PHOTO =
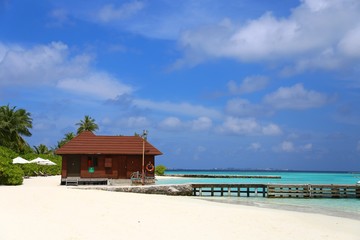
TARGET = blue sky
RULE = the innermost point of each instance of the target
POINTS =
(218, 84)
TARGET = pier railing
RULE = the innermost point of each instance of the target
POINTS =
(238, 190)
(277, 190)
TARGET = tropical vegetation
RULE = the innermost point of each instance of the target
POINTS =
(87, 124)
(42, 149)
(13, 174)
(67, 138)
(10, 174)
(160, 170)
(14, 124)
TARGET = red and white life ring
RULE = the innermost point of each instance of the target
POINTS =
(150, 167)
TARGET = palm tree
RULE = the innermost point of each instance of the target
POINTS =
(88, 124)
(13, 125)
(68, 136)
(41, 149)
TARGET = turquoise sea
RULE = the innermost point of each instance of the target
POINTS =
(349, 208)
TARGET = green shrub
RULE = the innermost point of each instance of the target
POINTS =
(160, 170)
(7, 153)
(10, 174)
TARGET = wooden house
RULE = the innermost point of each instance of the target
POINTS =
(92, 159)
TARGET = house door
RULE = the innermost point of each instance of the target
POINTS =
(122, 168)
(73, 166)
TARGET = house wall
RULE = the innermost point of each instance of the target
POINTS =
(64, 167)
(134, 164)
(110, 166)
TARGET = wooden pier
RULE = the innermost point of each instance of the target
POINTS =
(238, 190)
(277, 190)
(314, 191)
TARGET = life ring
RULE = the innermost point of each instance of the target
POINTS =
(150, 167)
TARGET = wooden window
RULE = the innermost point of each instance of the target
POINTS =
(92, 161)
(108, 162)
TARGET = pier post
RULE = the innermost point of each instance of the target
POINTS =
(357, 191)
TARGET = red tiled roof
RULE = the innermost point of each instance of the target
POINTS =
(88, 143)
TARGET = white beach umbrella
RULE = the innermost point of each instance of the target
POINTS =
(19, 160)
(42, 161)
(46, 162)
(37, 160)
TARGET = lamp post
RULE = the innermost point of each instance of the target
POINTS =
(143, 136)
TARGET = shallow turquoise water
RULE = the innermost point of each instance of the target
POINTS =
(337, 207)
(286, 177)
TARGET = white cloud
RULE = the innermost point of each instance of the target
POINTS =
(111, 13)
(349, 44)
(328, 59)
(202, 123)
(106, 121)
(292, 39)
(306, 147)
(54, 65)
(248, 85)
(247, 126)
(171, 123)
(295, 97)
(153, 19)
(41, 64)
(316, 5)
(179, 108)
(175, 123)
(239, 126)
(288, 146)
(95, 86)
(138, 122)
(59, 17)
(243, 108)
(266, 37)
(255, 146)
(271, 130)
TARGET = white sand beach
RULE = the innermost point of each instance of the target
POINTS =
(41, 209)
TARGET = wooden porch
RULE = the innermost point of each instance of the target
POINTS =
(75, 181)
